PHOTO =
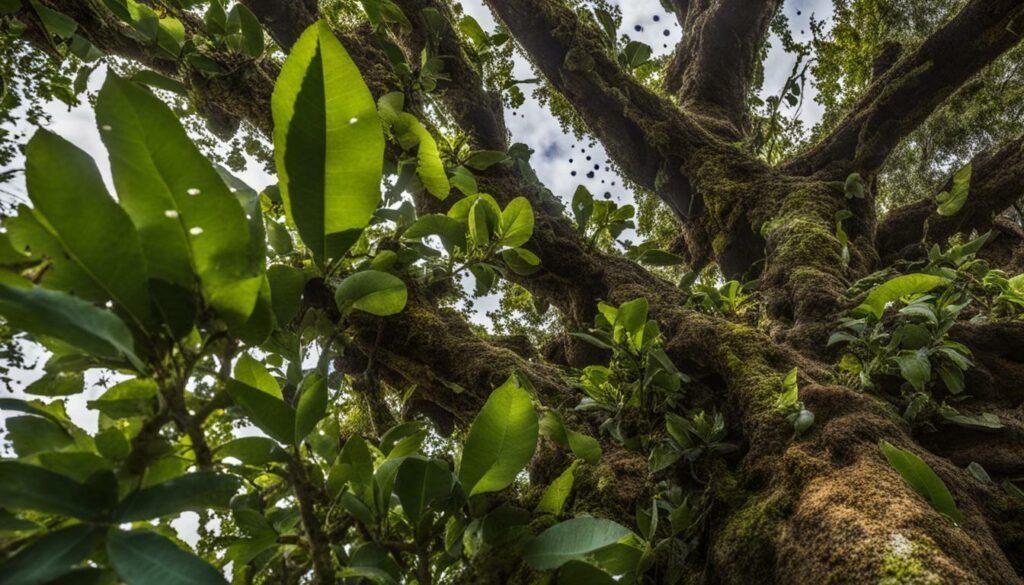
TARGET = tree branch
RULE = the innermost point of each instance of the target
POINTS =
(713, 64)
(901, 99)
(284, 20)
(997, 181)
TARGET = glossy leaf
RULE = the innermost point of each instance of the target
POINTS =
(372, 291)
(419, 483)
(897, 288)
(188, 220)
(255, 451)
(571, 540)
(952, 201)
(553, 499)
(266, 411)
(516, 225)
(501, 440)
(69, 319)
(193, 492)
(28, 487)
(312, 405)
(329, 159)
(922, 480)
(50, 556)
(142, 557)
(96, 237)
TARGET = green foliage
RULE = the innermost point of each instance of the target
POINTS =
(920, 477)
(329, 159)
(788, 403)
(501, 441)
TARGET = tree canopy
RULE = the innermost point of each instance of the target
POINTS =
(794, 356)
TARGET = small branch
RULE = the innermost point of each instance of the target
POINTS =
(320, 546)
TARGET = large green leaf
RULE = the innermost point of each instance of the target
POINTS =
(329, 159)
(188, 219)
(923, 480)
(69, 319)
(419, 483)
(516, 226)
(312, 406)
(27, 487)
(501, 441)
(571, 540)
(29, 435)
(897, 288)
(100, 257)
(193, 492)
(142, 557)
(372, 291)
(950, 202)
(266, 411)
(51, 556)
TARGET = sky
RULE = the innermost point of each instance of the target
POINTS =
(643, 20)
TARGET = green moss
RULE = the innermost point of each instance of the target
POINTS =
(900, 565)
(749, 534)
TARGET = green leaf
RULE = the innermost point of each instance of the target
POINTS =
(501, 440)
(193, 492)
(636, 54)
(950, 202)
(312, 406)
(329, 159)
(131, 398)
(516, 225)
(251, 372)
(103, 255)
(429, 167)
(897, 288)
(553, 499)
(188, 220)
(450, 231)
(31, 434)
(56, 23)
(571, 540)
(521, 260)
(255, 451)
(354, 467)
(57, 384)
(27, 487)
(854, 186)
(69, 319)
(372, 291)
(481, 160)
(580, 573)
(286, 286)
(922, 480)
(266, 411)
(915, 368)
(250, 41)
(170, 36)
(419, 483)
(51, 556)
(583, 446)
(142, 557)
